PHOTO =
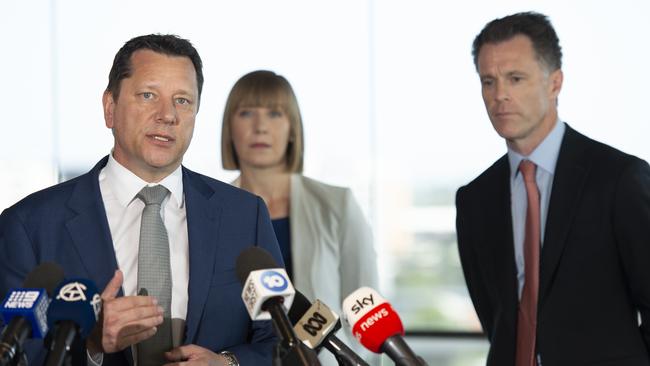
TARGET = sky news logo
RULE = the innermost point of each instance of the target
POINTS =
(22, 299)
(374, 318)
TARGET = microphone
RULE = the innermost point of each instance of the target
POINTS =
(72, 315)
(316, 324)
(378, 327)
(268, 294)
(24, 310)
(263, 280)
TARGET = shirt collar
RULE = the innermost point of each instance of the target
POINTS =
(545, 154)
(130, 184)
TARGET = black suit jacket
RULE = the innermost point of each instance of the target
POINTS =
(595, 260)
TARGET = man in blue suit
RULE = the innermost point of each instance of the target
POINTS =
(90, 225)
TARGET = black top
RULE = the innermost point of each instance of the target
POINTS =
(282, 230)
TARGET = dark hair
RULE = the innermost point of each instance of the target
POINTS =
(167, 44)
(537, 27)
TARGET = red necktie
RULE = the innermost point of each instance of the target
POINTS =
(527, 315)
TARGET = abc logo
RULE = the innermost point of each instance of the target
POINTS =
(274, 281)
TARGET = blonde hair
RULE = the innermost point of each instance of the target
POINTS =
(265, 89)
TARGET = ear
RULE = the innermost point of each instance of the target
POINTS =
(555, 83)
(109, 107)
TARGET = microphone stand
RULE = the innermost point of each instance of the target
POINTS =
(345, 358)
(290, 351)
(398, 351)
(14, 356)
(59, 348)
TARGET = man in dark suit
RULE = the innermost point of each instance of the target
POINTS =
(554, 237)
(90, 225)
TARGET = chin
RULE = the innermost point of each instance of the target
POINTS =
(506, 128)
(161, 163)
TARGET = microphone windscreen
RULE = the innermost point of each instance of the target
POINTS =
(299, 307)
(32, 300)
(372, 319)
(315, 324)
(253, 259)
(46, 275)
(77, 300)
(262, 279)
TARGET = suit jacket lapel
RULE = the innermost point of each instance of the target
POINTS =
(91, 236)
(203, 212)
(88, 228)
(499, 231)
(302, 232)
(570, 176)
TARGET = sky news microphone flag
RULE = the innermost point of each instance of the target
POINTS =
(377, 326)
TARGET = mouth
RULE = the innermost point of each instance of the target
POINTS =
(161, 138)
(260, 145)
(504, 114)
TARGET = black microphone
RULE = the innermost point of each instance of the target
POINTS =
(24, 311)
(72, 315)
(316, 324)
(268, 294)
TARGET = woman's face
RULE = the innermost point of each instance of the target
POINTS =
(261, 137)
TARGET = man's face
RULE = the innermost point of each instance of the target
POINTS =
(520, 94)
(153, 118)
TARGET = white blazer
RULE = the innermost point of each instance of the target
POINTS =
(331, 242)
(332, 248)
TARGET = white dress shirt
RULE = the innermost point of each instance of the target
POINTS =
(545, 157)
(119, 187)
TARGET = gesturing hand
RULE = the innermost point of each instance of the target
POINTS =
(124, 320)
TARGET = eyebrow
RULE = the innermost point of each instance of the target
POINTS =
(156, 85)
(508, 74)
(516, 72)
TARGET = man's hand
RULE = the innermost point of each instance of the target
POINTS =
(193, 355)
(123, 321)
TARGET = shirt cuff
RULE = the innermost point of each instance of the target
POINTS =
(95, 360)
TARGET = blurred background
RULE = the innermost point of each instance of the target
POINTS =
(390, 100)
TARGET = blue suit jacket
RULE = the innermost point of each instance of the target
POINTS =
(67, 224)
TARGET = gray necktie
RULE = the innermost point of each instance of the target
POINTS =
(154, 273)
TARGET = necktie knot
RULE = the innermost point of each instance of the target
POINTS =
(528, 169)
(152, 195)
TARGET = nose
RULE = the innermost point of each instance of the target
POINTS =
(502, 93)
(260, 123)
(167, 112)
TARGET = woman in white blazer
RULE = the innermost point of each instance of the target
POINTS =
(324, 237)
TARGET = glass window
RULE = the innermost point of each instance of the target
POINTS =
(388, 91)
